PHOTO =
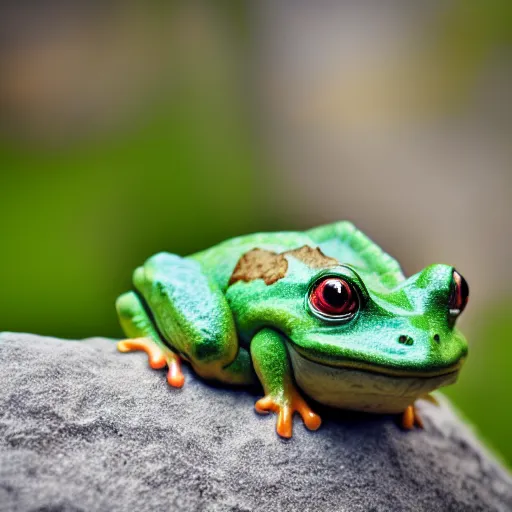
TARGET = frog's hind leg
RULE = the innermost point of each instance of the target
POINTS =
(143, 336)
(191, 311)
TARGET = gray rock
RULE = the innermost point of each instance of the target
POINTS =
(83, 427)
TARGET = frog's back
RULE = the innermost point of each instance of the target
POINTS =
(220, 260)
(343, 241)
(340, 240)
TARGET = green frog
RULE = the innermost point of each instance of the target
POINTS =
(324, 313)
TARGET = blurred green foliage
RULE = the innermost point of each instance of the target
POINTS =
(76, 221)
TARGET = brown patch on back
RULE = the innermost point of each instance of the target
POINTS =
(313, 258)
(271, 266)
(259, 264)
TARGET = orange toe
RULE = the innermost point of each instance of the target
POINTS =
(410, 418)
(175, 377)
(285, 407)
(155, 354)
(310, 418)
(158, 358)
(417, 419)
(265, 405)
(284, 425)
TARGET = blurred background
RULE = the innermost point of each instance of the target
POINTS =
(128, 128)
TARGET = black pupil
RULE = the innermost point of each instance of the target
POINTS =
(460, 291)
(335, 294)
(464, 290)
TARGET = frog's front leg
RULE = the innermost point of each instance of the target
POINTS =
(410, 418)
(143, 336)
(272, 365)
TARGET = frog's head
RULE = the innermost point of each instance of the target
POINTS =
(408, 330)
(337, 315)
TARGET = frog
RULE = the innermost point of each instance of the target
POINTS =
(320, 316)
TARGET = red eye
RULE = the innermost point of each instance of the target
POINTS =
(334, 297)
(459, 295)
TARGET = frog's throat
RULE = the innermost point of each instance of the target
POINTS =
(361, 390)
(378, 369)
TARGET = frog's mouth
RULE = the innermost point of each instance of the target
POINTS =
(379, 369)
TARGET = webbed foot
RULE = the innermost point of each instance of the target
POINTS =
(285, 406)
(158, 357)
(410, 418)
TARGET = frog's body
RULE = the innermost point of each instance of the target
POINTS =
(326, 310)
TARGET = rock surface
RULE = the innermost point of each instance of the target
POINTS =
(83, 427)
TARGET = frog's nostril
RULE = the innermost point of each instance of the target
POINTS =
(405, 340)
(437, 338)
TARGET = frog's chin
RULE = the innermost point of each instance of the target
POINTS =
(364, 387)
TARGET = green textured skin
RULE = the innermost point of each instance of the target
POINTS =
(214, 325)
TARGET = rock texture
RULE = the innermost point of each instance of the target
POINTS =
(83, 428)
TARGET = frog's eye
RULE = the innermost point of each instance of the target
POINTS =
(459, 294)
(333, 298)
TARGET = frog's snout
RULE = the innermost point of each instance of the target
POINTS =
(404, 339)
